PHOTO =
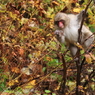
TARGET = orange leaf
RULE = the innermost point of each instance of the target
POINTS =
(15, 69)
(14, 53)
(88, 58)
(73, 1)
(5, 93)
(56, 3)
(21, 51)
(78, 45)
(33, 82)
(49, 58)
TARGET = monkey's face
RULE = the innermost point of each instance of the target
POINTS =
(61, 20)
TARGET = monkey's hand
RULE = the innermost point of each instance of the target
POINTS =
(60, 36)
(59, 33)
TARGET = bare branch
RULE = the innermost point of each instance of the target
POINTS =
(79, 31)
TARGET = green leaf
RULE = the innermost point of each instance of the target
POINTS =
(47, 91)
(44, 68)
(53, 94)
(45, 94)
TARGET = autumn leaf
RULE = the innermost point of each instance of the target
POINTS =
(56, 3)
(73, 1)
(5, 93)
(15, 70)
(23, 20)
(33, 82)
(29, 85)
(77, 10)
(21, 51)
(80, 88)
(49, 58)
(88, 58)
(78, 45)
(12, 15)
(14, 53)
(12, 82)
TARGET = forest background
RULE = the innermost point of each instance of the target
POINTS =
(32, 61)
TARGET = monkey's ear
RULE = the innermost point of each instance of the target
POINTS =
(80, 15)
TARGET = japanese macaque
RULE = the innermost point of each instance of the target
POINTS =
(67, 26)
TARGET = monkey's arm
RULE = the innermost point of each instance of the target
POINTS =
(87, 37)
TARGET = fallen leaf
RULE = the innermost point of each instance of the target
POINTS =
(77, 10)
(56, 3)
(15, 70)
(78, 45)
(5, 93)
(88, 58)
(30, 85)
(12, 82)
(21, 51)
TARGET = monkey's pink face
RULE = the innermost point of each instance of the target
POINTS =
(60, 23)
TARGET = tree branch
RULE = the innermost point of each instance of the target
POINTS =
(79, 66)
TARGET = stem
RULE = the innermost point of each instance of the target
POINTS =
(63, 83)
(78, 82)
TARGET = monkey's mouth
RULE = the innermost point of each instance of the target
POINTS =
(60, 24)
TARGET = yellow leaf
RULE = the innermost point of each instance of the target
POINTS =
(77, 10)
(12, 82)
(88, 58)
(56, 3)
(78, 45)
(30, 85)
(16, 81)
(49, 58)
(23, 20)
(89, 11)
(14, 16)
(63, 0)
(33, 82)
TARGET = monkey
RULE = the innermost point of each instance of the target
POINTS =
(66, 31)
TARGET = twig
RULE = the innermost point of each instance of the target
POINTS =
(91, 75)
(63, 83)
(78, 83)
(79, 31)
